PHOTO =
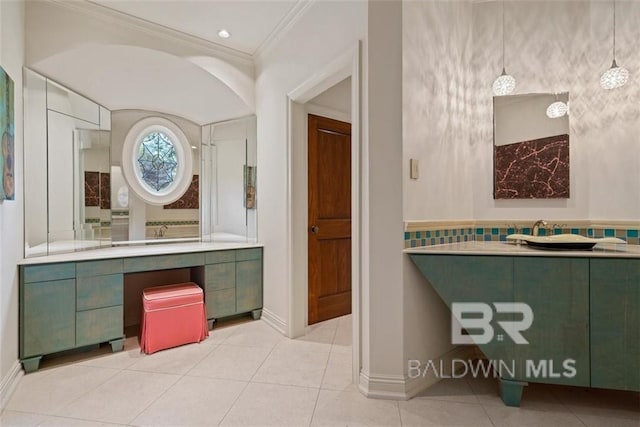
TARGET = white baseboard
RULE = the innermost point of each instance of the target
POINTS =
(9, 384)
(275, 321)
(401, 387)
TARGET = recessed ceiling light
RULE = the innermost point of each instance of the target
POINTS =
(224, 34)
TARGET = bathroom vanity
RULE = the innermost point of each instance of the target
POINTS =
(586, 308)
(73, 300)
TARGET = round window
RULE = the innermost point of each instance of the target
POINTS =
(156, 161)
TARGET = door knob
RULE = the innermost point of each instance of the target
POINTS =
(314, 229)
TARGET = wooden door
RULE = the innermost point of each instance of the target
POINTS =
(329, 218)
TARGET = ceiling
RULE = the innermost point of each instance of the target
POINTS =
(250, 22)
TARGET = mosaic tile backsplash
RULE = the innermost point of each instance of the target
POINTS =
(413, 239)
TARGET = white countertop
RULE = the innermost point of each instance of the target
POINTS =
(601, 250)
(133, 251)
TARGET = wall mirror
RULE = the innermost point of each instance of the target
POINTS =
(531, 146)
(229, 181)
(66, 162)
(82, 200)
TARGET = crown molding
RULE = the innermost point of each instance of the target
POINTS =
(116, 17)
(283, 27)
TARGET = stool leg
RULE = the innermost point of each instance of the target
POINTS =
(256, 314)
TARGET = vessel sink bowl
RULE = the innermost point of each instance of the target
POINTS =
(563, 241)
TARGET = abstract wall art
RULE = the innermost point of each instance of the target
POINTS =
(7, 130)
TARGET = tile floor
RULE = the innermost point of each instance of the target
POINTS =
(248, 374)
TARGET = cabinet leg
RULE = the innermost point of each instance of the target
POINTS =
(117, 345)
(511, 391)
(210, 323)
(31, 364)
(256, 314)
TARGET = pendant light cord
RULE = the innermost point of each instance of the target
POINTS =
(503, 35)
(614, 30)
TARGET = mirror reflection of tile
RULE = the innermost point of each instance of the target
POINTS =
(190, 199)
(536, 169)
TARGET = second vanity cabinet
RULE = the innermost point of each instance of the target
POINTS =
(586, 309)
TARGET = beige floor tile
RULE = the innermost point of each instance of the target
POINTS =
(192, 401)
(584, 401)
(351, 408)
(339, 372)
(254, 334)
(297, 368)
(430, 412)
(20, 419)
(119, 360)
(178, 360)
(72, 422)
(128, 393)
(608, 421)
(504, 416)
(450, 389)
(272, 405)
(231, 362)
(322, 332)
(300, 345)
(344, 336)
(47, 391)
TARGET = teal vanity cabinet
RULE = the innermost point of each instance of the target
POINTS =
(615, 323)
(233, 283)
(586, 313)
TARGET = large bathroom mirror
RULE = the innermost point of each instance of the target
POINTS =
(78, 195)
(531, 146)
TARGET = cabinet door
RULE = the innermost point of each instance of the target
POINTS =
(220, 276)
(49, 317)
(101, 325)
(615, 323)
(248, 285)
(220, 303)
(557, 290)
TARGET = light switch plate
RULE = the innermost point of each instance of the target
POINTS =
(413, 167)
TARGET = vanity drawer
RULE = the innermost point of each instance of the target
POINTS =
(220, 303)
(220, 276)
(96, 326)
(162, 262)
(46, 272)
(248, 254)
(98, 291)
(97, 268)
(218, 257)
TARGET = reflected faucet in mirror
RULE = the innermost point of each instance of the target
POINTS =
(161, 231)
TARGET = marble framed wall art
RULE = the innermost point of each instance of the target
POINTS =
(7, 130)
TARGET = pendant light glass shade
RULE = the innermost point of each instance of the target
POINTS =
(505, 83)
(615, 76)
(557, 109)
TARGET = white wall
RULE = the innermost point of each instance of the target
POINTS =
(326, 30)
(556, 47)
(11, 212)
(451, 60)
(437, 103)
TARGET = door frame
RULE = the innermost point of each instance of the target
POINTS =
(346, 65)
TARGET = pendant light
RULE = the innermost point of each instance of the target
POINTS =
(557, 109)
(615, 76)
(505, 83)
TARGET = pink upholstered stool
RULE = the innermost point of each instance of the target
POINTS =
(173, 315)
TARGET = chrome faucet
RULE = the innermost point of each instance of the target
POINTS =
(160, 232)
(536, 226)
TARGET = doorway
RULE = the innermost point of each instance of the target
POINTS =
(329, 207)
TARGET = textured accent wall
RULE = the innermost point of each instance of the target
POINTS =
(190, 199)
